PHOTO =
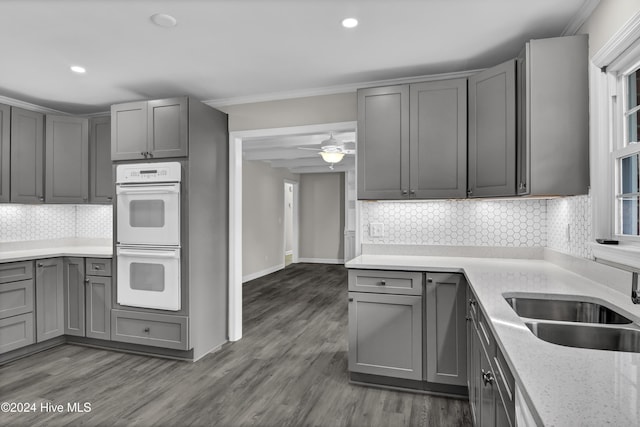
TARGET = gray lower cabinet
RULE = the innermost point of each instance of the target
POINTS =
(150, 129)
(446, 329)
(87, 302)
(492, 132)
(98, 307)
(27, 155)
(67, 159)
(5, 153)
(16, 305)
(100, 171)
(16, 332)
(74, 296)
(159, 330)
(49, 299)
(491, 384)
(385, 282)
(385, 335)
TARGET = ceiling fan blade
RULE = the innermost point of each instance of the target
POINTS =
(310, 149)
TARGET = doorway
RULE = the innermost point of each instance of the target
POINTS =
(290, 222)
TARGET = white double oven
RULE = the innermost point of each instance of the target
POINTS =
(148, 235)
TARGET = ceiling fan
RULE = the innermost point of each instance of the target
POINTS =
(332, 150)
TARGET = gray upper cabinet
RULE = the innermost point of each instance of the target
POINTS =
(100, 170)
(412, 141)
(27, 152)
(492, 132)
(446, 335)
(438, 139)
(67, 159)
(5, 153)
(74, 296)
(49, 299)
(168, 127)
(150, 129)
(383, 143)
(129, 131)
(553, 117)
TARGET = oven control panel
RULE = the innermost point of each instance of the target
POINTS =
(136, 173)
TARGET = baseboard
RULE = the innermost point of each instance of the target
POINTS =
(288, 253)
(322, 260)
(261, 273)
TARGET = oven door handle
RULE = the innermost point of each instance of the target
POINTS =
(150, 254)
(149, 189)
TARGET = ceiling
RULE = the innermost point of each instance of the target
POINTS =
(234, 51)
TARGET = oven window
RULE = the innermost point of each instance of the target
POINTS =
(146, 277)
(146, 213)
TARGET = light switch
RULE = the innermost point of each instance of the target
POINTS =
(376, 229)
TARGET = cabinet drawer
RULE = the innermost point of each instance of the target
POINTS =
(16, 332)
(385, 282)
(98, 267)
(158, 330)
(16, 298)
(14, 271)
(506, 384)
(486, 336)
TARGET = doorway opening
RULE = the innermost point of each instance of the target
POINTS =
(290, 222)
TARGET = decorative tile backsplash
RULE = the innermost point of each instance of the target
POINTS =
(507, 223)
(569, 225)
(515, 223)
(43, 222)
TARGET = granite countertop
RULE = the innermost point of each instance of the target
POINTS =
(563, 385)
(79, 247)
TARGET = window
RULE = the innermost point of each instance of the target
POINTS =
(626, 155)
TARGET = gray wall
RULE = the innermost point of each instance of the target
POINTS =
(293, 112)
(322, 216)
(263, 216)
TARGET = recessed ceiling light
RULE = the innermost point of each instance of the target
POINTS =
(164, 20)
(78, 69)
(350, 22)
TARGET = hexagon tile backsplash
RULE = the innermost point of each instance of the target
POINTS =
(43, 222)
(511, 223)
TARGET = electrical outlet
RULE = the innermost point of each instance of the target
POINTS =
(376, 229)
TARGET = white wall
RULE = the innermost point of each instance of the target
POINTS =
(606, 19)
(262, 218)
(322, 217)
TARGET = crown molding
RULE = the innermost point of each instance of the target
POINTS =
(333, 90)
(580, 17)
(619, 42)
(29, 106)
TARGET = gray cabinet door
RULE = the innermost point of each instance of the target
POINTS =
(486, 391)
(385, 335)
(27, 152)
(16, 332)
(129, 131)
(446, 335)
(74, 290)
(167, 127)
(98, 307)
(492, 132)
(5, 153)
(67, 159)
(100, 172)
(49, 299)
(438, 139)
(383, 143)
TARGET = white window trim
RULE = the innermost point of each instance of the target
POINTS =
(619, 54)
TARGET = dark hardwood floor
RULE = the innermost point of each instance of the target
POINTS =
(290, 369)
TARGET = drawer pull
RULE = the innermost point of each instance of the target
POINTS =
(97, 267)
(40, 265)
(146, 329)
(383, 283)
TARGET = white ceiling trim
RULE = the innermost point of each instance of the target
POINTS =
(581, 17)
(618, 43)
(28, 106)
(333, 90)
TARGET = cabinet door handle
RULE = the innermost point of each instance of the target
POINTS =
(143, 154)
(469, 192)
(429, 280)
(150, 154)
(350, 299)
(487, 377)
(383, 283)
(40, 265)
(147, 329)
(41, 198)
(405, 192)
(86, 281)
(412, 192)
(472, 303)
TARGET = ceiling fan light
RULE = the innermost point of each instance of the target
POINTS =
(331, 157)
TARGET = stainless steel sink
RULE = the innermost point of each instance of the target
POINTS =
(597, 337)
(567, 311)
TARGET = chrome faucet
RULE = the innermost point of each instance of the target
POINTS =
(635, 296)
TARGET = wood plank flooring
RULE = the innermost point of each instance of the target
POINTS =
(290, 369)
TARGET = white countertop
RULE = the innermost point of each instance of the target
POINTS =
(79, 247)
(566, 386)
